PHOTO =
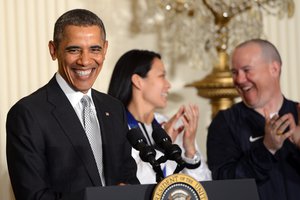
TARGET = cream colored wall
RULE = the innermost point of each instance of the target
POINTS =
(26, 26)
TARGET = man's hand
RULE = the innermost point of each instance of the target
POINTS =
(295, 138)
(275, 133)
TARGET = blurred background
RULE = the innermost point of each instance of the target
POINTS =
(26, 26)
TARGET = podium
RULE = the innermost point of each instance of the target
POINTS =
(236, 189)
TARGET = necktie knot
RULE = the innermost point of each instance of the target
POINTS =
(85, 101)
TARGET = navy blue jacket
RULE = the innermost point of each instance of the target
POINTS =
(235, 150)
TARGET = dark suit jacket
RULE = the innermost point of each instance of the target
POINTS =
(48, 153)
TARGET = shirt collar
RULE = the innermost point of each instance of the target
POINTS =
(73, 96)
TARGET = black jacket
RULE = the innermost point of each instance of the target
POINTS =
(48, 153)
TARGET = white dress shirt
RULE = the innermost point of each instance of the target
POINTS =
(74, 97)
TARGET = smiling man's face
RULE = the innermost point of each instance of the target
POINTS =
(254, 76)
(80, 55)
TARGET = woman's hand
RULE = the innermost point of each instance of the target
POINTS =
(190, 121)
(189, 116)
(170, 126)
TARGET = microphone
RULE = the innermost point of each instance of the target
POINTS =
(147, 153)
(172, 151)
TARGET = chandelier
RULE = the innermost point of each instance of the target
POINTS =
(202, 33)
(194, 31)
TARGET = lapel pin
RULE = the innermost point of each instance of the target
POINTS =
(107, 113)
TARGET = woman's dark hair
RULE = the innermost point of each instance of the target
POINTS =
(132, 62)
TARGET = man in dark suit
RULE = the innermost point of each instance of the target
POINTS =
(49, 154)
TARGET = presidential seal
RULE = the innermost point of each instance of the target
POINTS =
(179, 187)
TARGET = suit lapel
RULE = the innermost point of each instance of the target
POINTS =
(102, 115)
(71, 126)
